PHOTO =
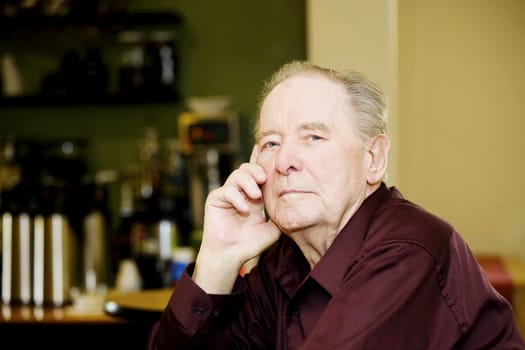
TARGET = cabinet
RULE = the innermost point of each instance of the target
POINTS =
(25, 327)
(89, 58)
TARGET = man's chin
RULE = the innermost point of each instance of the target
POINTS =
(294, 216)
(294, 224)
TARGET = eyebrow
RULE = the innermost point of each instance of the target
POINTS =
(313, 126)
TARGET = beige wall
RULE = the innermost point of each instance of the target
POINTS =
(459, 81)
(359, 34)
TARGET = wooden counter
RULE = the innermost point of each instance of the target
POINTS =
(57, 315)
(113, 309)
(142, 306)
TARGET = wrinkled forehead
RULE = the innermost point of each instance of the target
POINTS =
(303, 96)
(307, 86)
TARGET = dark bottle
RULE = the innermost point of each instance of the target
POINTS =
(95, 75)
(70, 75)
(168, 235)
(160, 65)
(176, 186)
(121, 241)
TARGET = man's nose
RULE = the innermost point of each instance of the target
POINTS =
(288, 159)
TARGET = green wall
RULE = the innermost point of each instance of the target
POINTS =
(226, 48)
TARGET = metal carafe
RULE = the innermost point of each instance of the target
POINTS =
(59, 260)
(56, 263)
(16, 258)
(17, 228)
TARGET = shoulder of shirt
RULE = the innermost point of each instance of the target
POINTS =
(400, 220)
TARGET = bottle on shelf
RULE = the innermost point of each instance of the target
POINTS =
(160, 65)
(131, 65)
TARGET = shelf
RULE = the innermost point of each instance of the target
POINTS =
(91, 29)
(31, 22)
(108, 100)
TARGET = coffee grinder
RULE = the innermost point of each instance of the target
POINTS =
(210, 144)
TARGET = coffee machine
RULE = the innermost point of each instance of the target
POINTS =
(210, 144)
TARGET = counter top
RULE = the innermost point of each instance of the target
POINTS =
(141, 306)
(66, 314)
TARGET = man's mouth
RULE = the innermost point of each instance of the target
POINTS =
(290, 192)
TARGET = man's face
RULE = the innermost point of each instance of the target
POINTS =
(316, 165)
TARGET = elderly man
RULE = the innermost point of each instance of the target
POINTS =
(345, 262)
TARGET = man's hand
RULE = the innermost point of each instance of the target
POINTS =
(235, 228)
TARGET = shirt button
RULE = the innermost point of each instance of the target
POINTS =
(297, 313)
(199, 311)
(215, 312)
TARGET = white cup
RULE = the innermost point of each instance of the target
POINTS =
(128, 276)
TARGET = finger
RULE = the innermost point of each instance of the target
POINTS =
(237, 199)
(245, 180)
(227, 197)
(230, 196)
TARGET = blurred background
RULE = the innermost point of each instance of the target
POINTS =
(132, 110)
(117, 117)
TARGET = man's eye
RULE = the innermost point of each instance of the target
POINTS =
(270, 144)
(313, 137)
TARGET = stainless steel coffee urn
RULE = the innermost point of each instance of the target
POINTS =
(16, 258)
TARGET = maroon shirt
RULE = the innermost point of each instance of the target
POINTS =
(396, 277)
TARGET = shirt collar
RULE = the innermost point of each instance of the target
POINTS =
(340, 257)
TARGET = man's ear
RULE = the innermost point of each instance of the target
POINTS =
(378, 151)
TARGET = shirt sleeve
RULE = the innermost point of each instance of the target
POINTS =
(194, 319)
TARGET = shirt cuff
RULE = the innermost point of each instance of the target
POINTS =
(193, 307)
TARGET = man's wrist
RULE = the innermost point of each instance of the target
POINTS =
(216, 275)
